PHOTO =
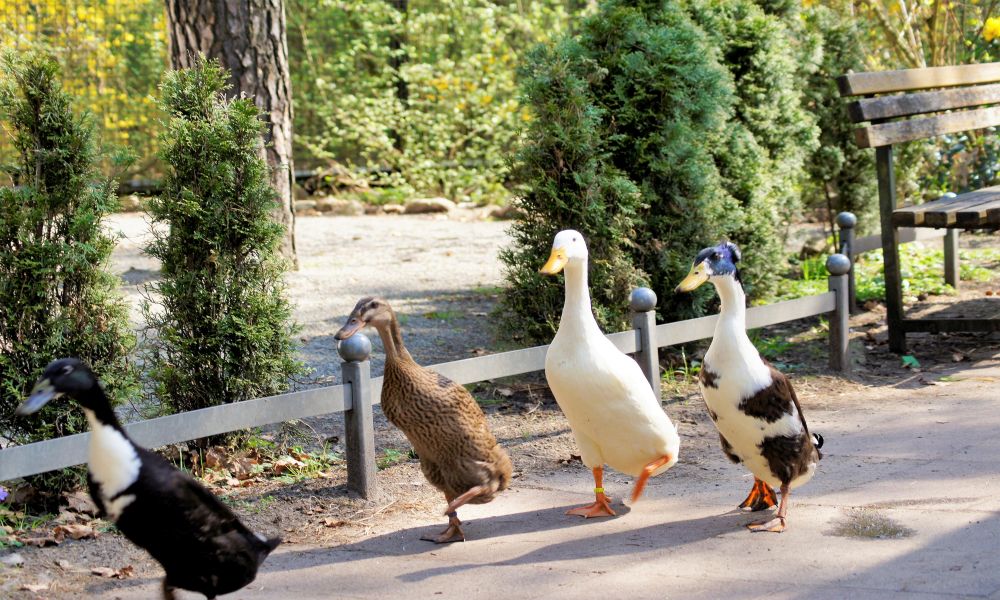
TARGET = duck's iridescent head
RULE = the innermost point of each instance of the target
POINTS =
(713, 262)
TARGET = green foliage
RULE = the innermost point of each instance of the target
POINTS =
(763, 165)
(221, 321)
(568, 181)
(842, 176)
(423, 99)
(638, 101)
(57, 299)
(922, 270)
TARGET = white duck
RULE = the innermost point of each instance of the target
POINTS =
(752, 404)
(614, 414)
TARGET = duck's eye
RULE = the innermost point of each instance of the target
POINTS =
(375, 305)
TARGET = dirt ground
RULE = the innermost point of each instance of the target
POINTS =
(521, 412)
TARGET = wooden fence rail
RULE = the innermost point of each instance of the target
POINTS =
(359, 392)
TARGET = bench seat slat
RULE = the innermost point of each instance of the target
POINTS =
(970, 210)
(901, 105)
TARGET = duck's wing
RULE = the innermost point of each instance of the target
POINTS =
(783, 389)
(191, 502)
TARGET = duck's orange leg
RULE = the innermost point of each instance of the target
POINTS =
(640, 483)
(601, 506)
(777, 524)
(761, 496)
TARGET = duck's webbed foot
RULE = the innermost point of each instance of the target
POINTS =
(453, 533)
(777, 524)
(602, 504)
(761, 497)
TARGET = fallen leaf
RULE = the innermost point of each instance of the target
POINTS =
(75, 531)
(242, 468)
(122, 573)
(505, 392)
(958, 357)
(80, 502)
(215, 457)
(65, 565)
(39, 540)
(285, 463)
(331, 522)
(34, 587)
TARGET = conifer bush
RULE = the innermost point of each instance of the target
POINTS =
(659, 112)
(56, 296)
(220, 324)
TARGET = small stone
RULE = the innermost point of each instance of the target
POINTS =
(340, 207)
(429, 205)
(506, 212)
(12, 560)
(393, 209)
(302, 206)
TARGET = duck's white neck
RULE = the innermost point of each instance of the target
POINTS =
(734, 302)
(577, 313)
(731, 344)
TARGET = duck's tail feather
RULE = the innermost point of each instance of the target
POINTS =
(817, 440)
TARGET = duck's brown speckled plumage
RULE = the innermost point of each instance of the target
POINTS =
(440, 418)
(446, 427)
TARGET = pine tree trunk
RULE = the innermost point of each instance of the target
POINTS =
(248, 37)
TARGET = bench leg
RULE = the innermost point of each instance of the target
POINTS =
(890, 249)
(951, 271)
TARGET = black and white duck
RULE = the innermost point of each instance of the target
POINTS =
(752, 404)
(202, 546)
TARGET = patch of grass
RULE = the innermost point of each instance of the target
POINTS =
(769, 347)
(869, 523)
(922, 270)
(487, 290)
(443, 315)
(251, 506)
(390, 457)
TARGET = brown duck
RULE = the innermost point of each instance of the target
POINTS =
(440, 418)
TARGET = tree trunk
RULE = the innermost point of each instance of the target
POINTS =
(248, 38)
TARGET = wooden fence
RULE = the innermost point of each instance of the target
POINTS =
(360, 391)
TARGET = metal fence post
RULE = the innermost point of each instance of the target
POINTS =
(642, 303)
(838, 266)
(359, 425)
(846, 222)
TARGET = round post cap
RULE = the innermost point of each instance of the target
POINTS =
(838, 264)
(642, 300)
(355, 348)
(846, 220)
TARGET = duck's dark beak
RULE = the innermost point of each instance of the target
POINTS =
(353, 325)
(41, 394)
(697, 276)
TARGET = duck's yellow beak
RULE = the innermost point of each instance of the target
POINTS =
(557, 260)
(697, 276)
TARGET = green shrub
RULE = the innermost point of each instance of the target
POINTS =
(568, 182)
(842, 175)
(56, 298)
(763, 166)
(220, 321)
(658, 106)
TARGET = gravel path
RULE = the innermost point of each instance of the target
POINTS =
(439, 274)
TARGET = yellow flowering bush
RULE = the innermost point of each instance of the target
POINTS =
(113, 54)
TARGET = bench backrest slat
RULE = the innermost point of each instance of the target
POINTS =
(885, 134)
(884, 82)
(902, 105)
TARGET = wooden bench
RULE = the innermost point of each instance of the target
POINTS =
(919, 104)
